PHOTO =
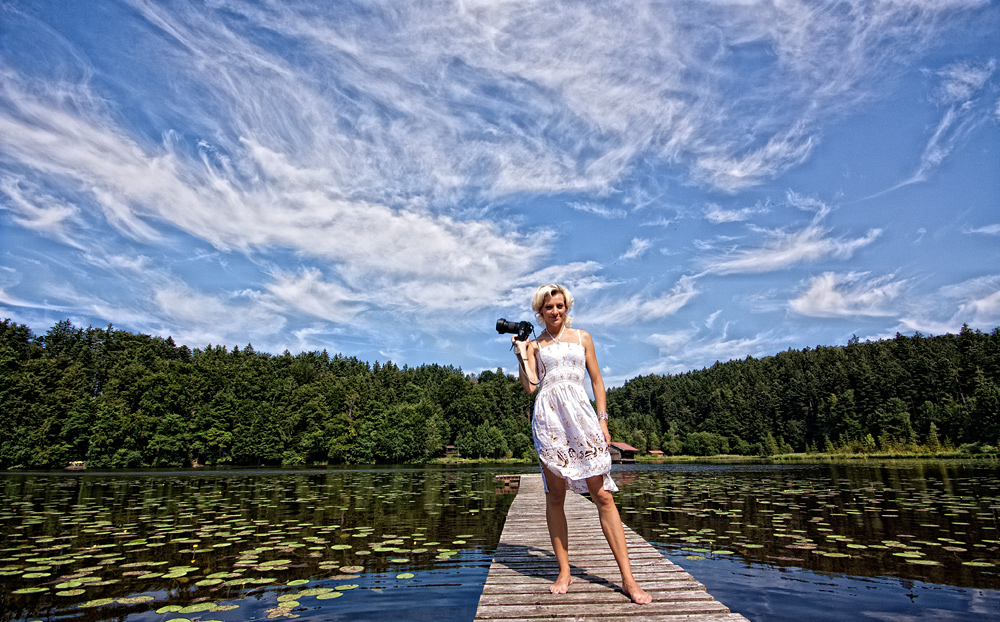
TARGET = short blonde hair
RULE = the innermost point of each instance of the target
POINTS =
(545, 292)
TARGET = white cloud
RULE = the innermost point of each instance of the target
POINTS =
(961, 83)
(715, 214)
(988, 230)
(784, 249)
(711, 319)
(549, 98)
(848, 295)
(685, 350)
(636, 249)
(975, 302)
(309, 293)
(641, 307)
(598, 210)
(980, 301)
(424, 255)
(39, 212)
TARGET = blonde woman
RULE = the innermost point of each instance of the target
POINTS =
(570, 438)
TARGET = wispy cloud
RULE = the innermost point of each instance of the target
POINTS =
(987, 230)
(961, 85)
(598, 210)
(683, 350)
(37, 211)
(642, 307)
(308, 292)
(715, 214)
(974, 301)
(783, 249)
(636, 249)
(848, 295)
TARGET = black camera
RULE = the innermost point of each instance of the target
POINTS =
(523, 330)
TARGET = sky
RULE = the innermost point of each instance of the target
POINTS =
(711, 179)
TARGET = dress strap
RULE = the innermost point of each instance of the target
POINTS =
(579, 339)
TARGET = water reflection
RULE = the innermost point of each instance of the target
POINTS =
(933, 522)
(107, 546)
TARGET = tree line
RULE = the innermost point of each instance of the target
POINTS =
(896, 395)
(122, 400)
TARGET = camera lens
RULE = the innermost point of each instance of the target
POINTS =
(503, 326)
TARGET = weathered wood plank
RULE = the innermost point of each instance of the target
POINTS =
(524, 567)
(639, 617)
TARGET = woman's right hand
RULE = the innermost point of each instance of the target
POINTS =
(521, 345)
(526, 364)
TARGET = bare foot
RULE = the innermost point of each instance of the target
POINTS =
(636, 593)
(561, 586)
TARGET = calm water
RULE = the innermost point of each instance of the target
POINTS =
(903, 541)
(242, 545)
(907, 541)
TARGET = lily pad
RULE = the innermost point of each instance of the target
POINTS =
(98, 602)
(329, 595)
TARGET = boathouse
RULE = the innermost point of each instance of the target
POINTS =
(622, 452)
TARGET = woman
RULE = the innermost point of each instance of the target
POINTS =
(570, 438)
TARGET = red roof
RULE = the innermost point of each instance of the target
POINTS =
(623, 446)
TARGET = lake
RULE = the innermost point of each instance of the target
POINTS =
(893, 541)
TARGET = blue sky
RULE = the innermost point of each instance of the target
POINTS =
(711, 179)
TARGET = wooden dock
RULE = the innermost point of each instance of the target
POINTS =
(517, 587)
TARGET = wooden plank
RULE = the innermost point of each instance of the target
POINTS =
(517, 587)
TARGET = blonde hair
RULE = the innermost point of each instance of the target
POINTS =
(545, 292)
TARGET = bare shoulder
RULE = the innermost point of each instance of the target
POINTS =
(585, 338)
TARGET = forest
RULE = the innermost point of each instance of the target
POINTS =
(120, 400)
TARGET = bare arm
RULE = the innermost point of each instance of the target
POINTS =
(527, 364)
(596, 381)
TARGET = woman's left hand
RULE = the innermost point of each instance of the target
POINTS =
(607, 435)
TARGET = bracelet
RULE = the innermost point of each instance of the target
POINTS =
(603, 415)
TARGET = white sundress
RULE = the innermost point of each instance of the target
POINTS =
(567, 434)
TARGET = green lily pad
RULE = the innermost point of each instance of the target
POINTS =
(208, 582)
(224, 608)
(196, 608)
(135, 600)
(329, 595)
(405, 575)
(98, 602)
(76, 592)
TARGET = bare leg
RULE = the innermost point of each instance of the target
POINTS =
(611, 524)
(555, 518)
